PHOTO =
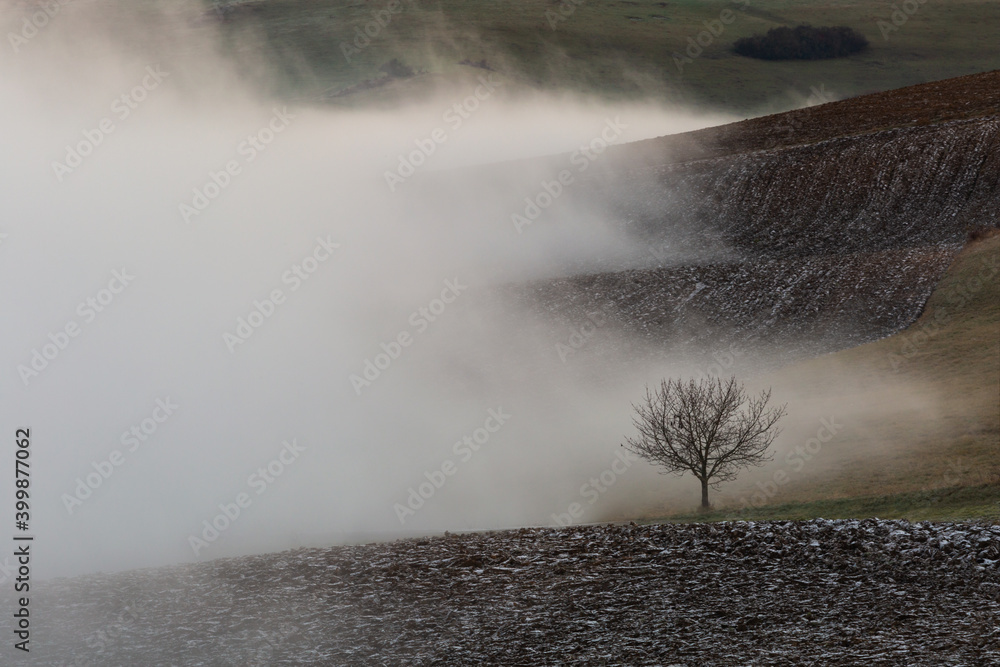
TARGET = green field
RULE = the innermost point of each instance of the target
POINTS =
(619, 49)
(959, 503)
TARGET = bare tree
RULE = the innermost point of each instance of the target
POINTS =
(709, 428)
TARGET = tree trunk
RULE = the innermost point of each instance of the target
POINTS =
(704, 494)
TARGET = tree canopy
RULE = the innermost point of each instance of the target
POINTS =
(802, 43)
(710, 428)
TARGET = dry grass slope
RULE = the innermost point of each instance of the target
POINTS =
(899, 460)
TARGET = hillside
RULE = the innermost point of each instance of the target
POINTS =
(375, 332)
(960, 98)
(830, 239)
(615, 48)
(839, 593)
(847, 253)
(823, 244)
(901, 461)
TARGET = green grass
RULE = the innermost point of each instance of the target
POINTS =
(625, 48)
(962, 503)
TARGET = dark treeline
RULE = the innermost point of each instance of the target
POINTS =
(802, 43)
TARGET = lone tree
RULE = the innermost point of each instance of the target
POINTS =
(709, 428)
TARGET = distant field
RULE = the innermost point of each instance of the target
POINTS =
(940, 462)
(622, 48)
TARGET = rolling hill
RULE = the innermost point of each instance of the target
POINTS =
(680, 50)
(838, 236)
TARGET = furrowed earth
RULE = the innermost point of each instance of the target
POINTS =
(868, 592)
(834, 230)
